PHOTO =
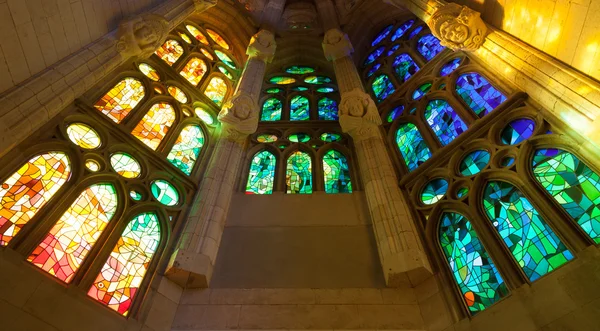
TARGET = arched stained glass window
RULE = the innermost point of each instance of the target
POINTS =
(402, 29)
(470, 264)
(299, 173)
(197, 34)
(573, 185)
(449, 67)
(415, 32)
(185, 152)
(533, 244)
(336, 173)
(405, 67)
(413, 148)
(299, 108)
(382, 35)
(328, 110)
(262, 173)
(26, 191)
(429, 46)
(121, 99)
(194, 70)
(374, 55)
(478, 93)
(154, 126)
(216, 90)
(170, 51)
(64, 248)
(444, 121)
(382, 87)
(217, 38)
(121, 276)
(271, 110)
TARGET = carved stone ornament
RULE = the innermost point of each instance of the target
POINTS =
(262, 46)
(336, 45)
(458, 27)
(358, 115)
(141, 36)
(202, 5)
(239, 117)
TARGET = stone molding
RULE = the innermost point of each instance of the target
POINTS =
(262, 46)
(239, 117)
(358, 115)
(141, 36)
(202, 5)
(336, 45)
(458, 27)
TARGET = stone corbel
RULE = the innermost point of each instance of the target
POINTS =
(459, 28)
(141, 36)
(336, 45)
(358, 115)
(262, 46)
(202, 5)
(239, 117)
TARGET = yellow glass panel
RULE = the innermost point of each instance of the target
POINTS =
(150, 72)
(152, 129)
(217, 38)
(216, 90)
(194, 70)
(185, 37)
(170, 51)
(207, 54)
(197, 34)
(178, 94)
(83, 136)
(121, 99)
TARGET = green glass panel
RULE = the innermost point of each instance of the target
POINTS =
(187, 147)
(164, 192)
(413, 148)
(382, 87)
(262, 173)
(299, 108)
(434, 191)
(300, 88)
(299, 137)
(299, 173)
(226, 72)
(282, 80)
(135, 195)
(274, 90)
(474, 162)
(325, 89)
(336, 173)
(462, 192)
(225, 58)
(331, 137)
(317, 80)
(421, 91)
(299, 70)
(271, 110)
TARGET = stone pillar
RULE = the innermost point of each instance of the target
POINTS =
(400, 250)
(272, 14)
(193, 261)
(328, 14)
(29, 106)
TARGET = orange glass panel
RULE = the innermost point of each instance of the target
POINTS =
(194, 70)
(197, 34)
(216, 90)
(121, 99)
(152, 129)
(217, 38)
(170, 51)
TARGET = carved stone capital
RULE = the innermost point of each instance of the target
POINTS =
(358, 115)
(262, 46)
(141, 36)
(202, 5)
(458, 27)
(336, 45)
(239, 117)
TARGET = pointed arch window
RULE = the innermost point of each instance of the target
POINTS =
(533, 244)
(262, 173)
(412, 146)
(121, 276)
(121, 99)
(299, 173)
(336, 173)
(216, 90)
(479, 94)
(299, 108)
(573, 185)
(429, 46)
(328, 110)
(185, 152)
(64, 248)
(152, 129)
(444, 121)
(170, 51)
(382, 87)
(194, 70)
(405, 67)
(271, 110)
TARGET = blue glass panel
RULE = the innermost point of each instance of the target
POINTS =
(449, 67)
(299, 109)
(328, 110)
(444, 121)
(478, 93)
(373, 56)
(373, 69)
(415, 32)
(382, 87)
(517, 131)
(382, 35)
(429, 46)
(402, 29)
(405, 67)
(413, 148)
(395, 113)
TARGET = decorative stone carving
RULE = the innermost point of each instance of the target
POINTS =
(358, 115)
(458, 27)
(202, 5)
(336, 45)
(239, 117)
(141, 36)
(262, 46)
(300, 15)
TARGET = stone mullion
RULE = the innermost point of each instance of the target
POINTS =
(347, 75)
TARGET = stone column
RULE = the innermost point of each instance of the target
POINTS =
(400, 249)
(328, 14)
(29, 106)
(193, 261)
(272, 14)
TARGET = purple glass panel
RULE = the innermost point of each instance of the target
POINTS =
(478, 93)
(517, 131)
(444, 121)
(429, 46)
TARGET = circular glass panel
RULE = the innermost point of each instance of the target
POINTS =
(325, 89)
(507, 161)
(331, 137)
(207, 54)
(282, 80)
(317, 80)
(150, 72)
(83, 136)
(92, 165)
(434, 191)
(299, 70)
(517, 131)
(421, 91)
(125, 165)
(164, 192)
(185, 37)
(299, 137)
(225, 58)
(395, 113)
(135, 195)
(474, 162)
(274, 90)
(266, 138)
(204, 116)
(462, 192)
(225, 72)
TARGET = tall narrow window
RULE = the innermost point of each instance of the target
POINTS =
(429, 46)
(194, 70)
(573, 185)
(121, 99)
(299, 108)
(328, 110)
(216, 90)
(444, 121)
(299, 173)
(154, 126)
(405, 67)
(26, 191)
(67, 244)
(170, 52)
(262, 173)
(382, 87)
(271, 110)
(534, 245)
(336, 173)
(413, 148)
(474, 271)
(478, 93)
(185, 152)
(121, 276)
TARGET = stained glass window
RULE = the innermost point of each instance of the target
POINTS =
(382, 87)
(207, 54)
(478, 93)
(150, 72)
(336, 173)
(405, 67)
(92, 165)
(299, 70)
(197, 34)
(421, 91)
(216, 90)
(474, 162)
(382, 35)
(413, 148)
(507, 161)
(463, 191)
(274, 90)
(121, 276)
(434, 191)
(267, 138)
(83, 136)
(125, 165)
(121, 99)
(449, 67)
(282, 80)
(154, 126)
(271, 110)
(517, 131)
(178, 94)
(444, 121)
(374, 69)
(194, 70)
(317, 80)
(299, 137)
(573, 185)
(185, 152)
(136, 195)
(328, 110)
(330, 137)
(185, 37)
(170, 51)
(226, 72)
(299, 108)
(164, 192)
(402, 29)
(217, 38)
(392, 50)
(395, 113)
(299, 173)
(262, 173)
(225, 58)
(325, 89)
(429, 46)
(300, 88)
(64, 248)
(374, 56)
(534, 245)
(26, 191)
(205, 116)
(415, 32)
(470, 264)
